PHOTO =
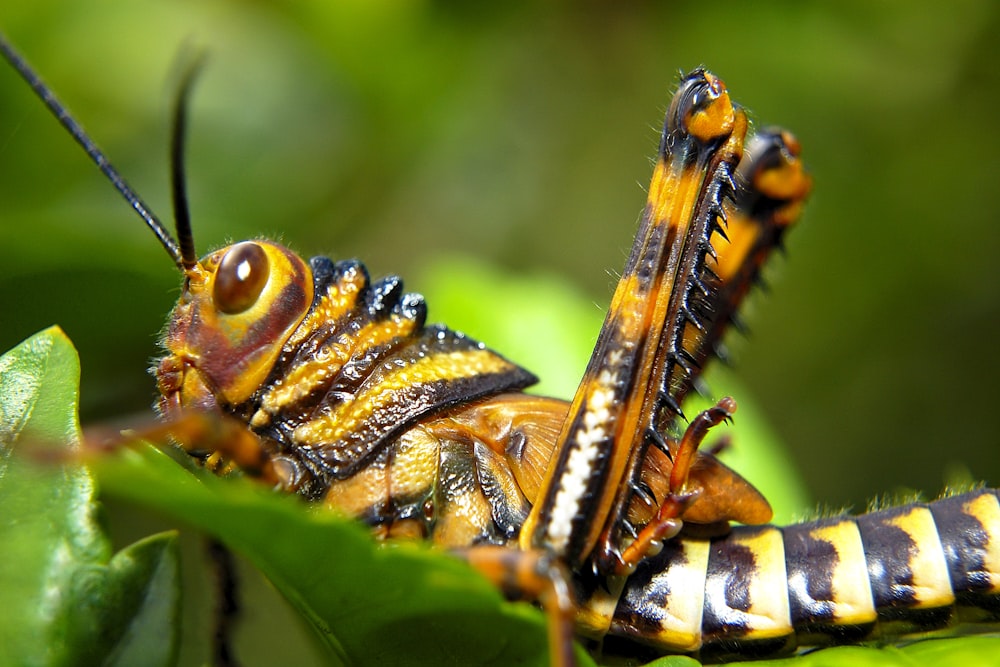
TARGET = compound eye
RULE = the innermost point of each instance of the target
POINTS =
(241, 277)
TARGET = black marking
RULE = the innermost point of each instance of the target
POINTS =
(658, 441)
(733, 648)
(342, 458)
(708, 248)
(731, 569)
(965, 541)
(738, 324)
(642, 489)
(384, 297)
(698, 283)
(810, 563)
(508, 505)
(324, 273)
(642, 606)
(687, 314)
(459, 478)
(889, 551)
(666, 399)
(516, 443)
(629, 529)
(689, 358)
(416, 401)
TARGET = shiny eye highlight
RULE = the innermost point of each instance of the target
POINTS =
(241, 277)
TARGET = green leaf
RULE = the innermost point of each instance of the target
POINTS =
(948, 652)
(368, 604)
(955, 651)
(64, 602)
(131, 610)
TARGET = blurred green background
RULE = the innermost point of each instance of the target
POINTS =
(517, 138)
(470, 147)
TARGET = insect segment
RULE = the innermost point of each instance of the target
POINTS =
(314, 378)
(766, 590)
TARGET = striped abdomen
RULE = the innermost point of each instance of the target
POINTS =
(762, 590)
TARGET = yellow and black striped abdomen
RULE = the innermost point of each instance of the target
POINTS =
(763, 590)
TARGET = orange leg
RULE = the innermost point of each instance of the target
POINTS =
(668, 521)
(693, 437)
(223, 436)
(532, 575)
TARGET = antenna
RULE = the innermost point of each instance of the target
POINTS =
(79, 134)
(182, 218)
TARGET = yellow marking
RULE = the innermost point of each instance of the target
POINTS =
(673, 196)
(597, 391)
(852, 599)
(411, 473)
(628, 310)
(673, 203)
(415, 463)
(787, 181)
(769, 615)
(340, 298)
(716, 119)
(742, 233)
(789, 213)
(260, 419)
(681, 623)
(349, 416)
(931, 585)
(302, 380)
(406, 529)
(312, 374)
(359, 493)
(640, 310)
(463, 520)
(986, 509)
(594, 615)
